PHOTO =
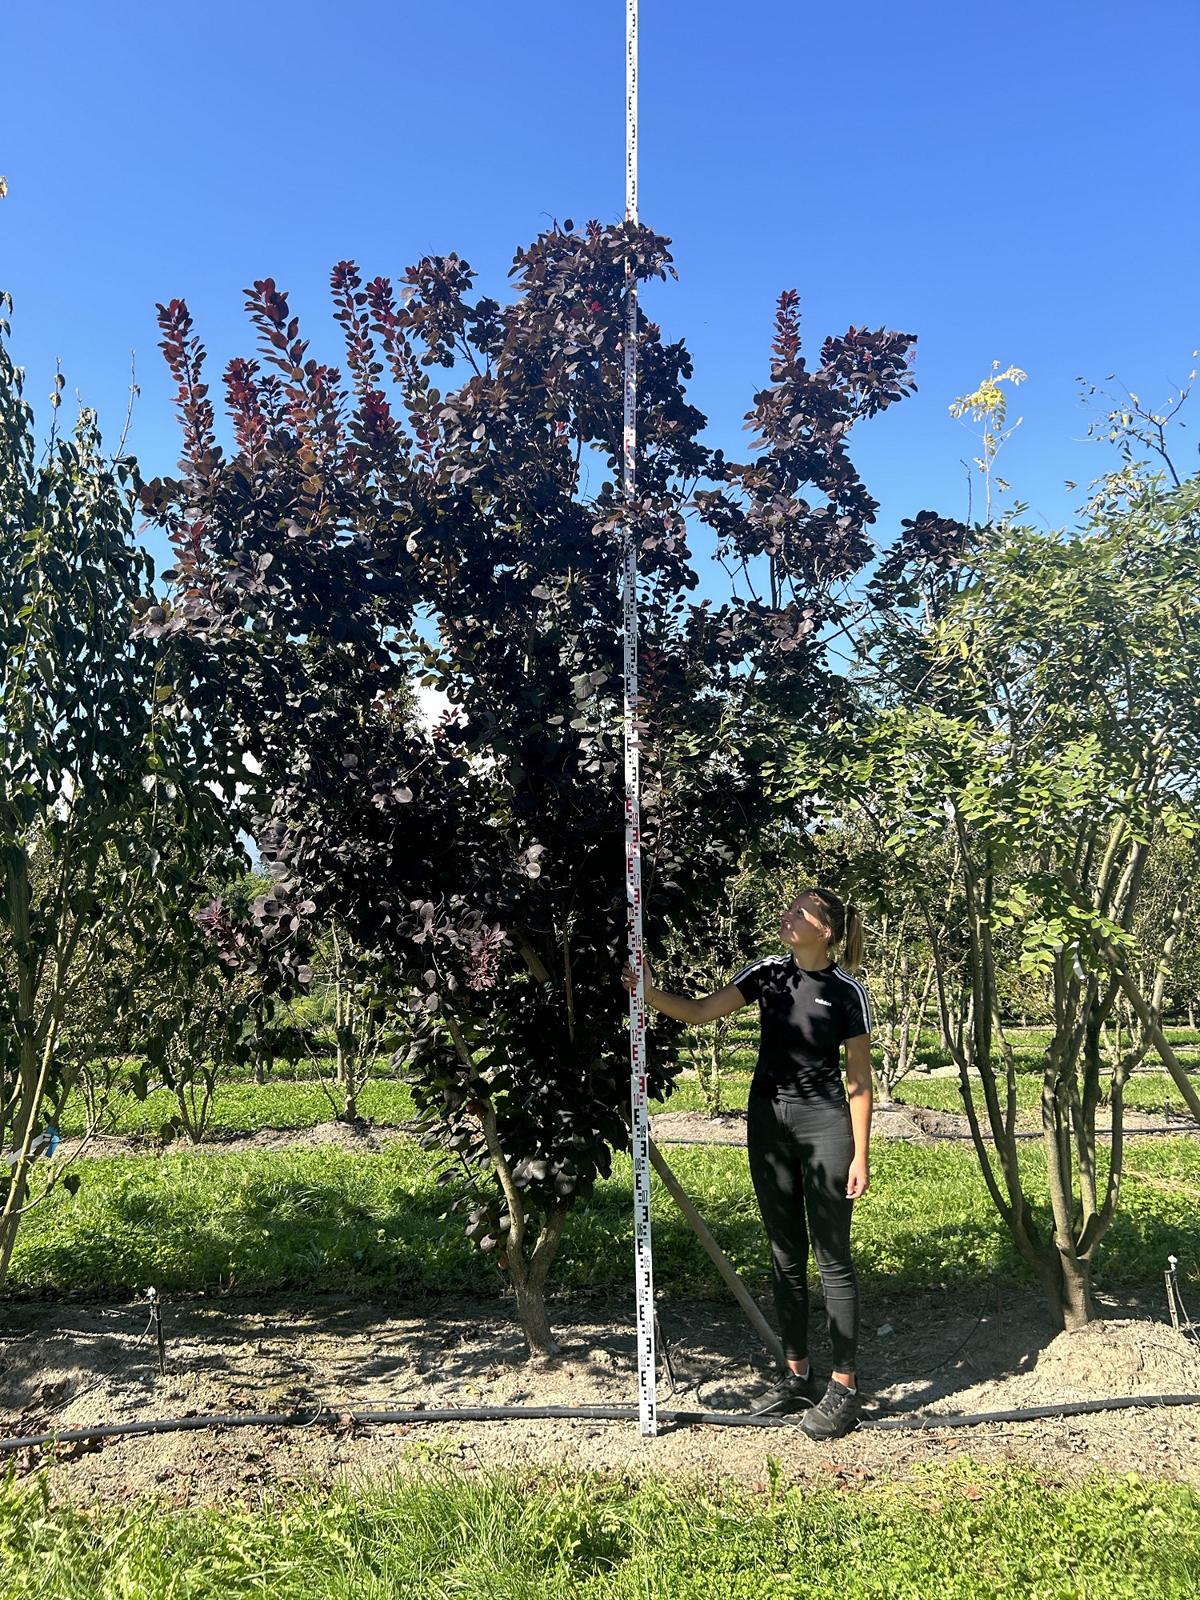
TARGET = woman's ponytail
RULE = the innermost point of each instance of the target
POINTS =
(852, 955)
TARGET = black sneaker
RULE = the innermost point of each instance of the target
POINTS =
(790, 1392)
(834, 1414)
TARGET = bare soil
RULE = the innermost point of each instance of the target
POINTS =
(67, 1365)
(361, 1137)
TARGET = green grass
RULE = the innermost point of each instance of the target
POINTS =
(735, 1091)
(242, 1107)
(961, 1532)
(328, 1220)
(246, 1107)
(1146, 1092)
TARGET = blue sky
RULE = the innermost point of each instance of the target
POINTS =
(1015, 183)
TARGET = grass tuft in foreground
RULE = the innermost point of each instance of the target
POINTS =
(956, 1531)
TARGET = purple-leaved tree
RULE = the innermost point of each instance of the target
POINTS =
(370, 526)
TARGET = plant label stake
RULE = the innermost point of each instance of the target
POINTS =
(643, 1253)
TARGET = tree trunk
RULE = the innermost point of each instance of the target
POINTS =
(31, 1075)
(712, 1089)
(10, 1221)
(1078, 1302)
(1068, 1284)
(529, 1285)
(535, 1325)
(348, 1081)
(347, 1077)
(528, 1275)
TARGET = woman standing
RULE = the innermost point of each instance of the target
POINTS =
(806, 1140)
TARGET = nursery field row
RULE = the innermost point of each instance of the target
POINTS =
(738, 1055)
(1145, 1092)
(247, 1108)
(326, 1219)
(1148, 1092)
(242, 1107)
(962, 1532)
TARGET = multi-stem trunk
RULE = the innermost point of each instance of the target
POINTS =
(528, 1266)
(529, 1269)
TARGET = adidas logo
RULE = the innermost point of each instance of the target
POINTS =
(828, 1003)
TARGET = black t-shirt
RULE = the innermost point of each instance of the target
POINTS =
(805, 1017)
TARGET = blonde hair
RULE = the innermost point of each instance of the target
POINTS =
(844, 923)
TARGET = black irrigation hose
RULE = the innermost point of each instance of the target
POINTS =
(721, 1419)
(1066, 1408)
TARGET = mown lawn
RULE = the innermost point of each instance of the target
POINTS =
(1147, 1092)
(327, 1219)
(958, 1533)
(245, 1107)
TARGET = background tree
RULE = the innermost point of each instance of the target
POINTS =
(843, 850)
(1034, 713)
(699, 958)
(95, 771)
(1170, 891)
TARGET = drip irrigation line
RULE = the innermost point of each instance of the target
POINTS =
(898, 1421)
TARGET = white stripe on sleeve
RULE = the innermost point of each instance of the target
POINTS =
(860, 989)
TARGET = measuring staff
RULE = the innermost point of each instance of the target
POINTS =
(643, 1252)
(807, 1140)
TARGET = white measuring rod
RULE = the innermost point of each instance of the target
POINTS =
(643, 1251)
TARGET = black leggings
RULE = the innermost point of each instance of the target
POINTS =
(800, 1154)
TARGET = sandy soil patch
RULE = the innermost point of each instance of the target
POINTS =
(71, 1364)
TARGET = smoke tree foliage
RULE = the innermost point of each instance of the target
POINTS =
(1031, 713)
(95, 772)
(370, 524)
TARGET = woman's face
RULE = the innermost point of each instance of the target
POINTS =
(804, 922)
